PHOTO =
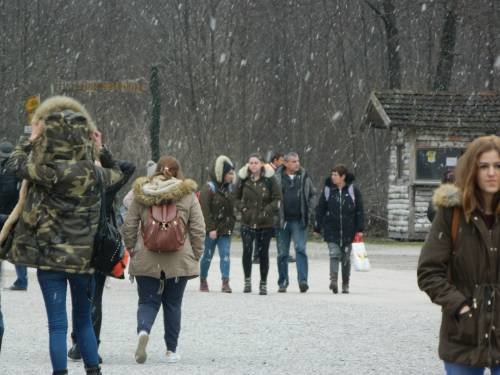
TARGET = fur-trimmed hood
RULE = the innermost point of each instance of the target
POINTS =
(216, 174)
(67, 131)
(59, 104)
(447, 195)
(159, 190)
(266, 171)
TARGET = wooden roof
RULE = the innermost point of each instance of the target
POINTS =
(386, 109)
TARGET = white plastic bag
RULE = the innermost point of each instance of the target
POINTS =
(359, 257)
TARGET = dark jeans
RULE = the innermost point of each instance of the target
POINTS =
(262, 239)
(292, 230)
(151, 297)
(100, 281)
(22, 277)
(457, 369)
(53, 285)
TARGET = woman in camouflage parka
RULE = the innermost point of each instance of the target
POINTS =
(60, 214)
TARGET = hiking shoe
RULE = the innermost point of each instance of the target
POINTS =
(225, 286)
(248, 286)
(263, 288)
(74, 353)
(173, 357)
(142, 342)
(203, 285)
(303, 286)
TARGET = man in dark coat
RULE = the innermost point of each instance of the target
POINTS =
(297, 205)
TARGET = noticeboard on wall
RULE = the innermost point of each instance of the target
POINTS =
(432, 163)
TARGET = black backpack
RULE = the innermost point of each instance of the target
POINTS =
(9, 190)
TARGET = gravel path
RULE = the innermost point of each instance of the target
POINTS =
(384, 326)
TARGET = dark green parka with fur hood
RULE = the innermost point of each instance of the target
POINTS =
(60, 212)
(259, 200)
(467, 273)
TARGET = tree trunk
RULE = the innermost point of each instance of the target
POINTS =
(446, 54)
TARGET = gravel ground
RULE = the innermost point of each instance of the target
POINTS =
(384, 326)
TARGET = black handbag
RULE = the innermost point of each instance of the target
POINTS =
(108, 245)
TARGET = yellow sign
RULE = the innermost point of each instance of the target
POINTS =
(31, 104)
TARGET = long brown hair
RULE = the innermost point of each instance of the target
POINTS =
(169, 167)
(466, 174)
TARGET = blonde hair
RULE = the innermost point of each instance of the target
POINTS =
(466, 175)
(168, 167)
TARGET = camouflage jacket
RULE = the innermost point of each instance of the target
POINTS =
(61, 212)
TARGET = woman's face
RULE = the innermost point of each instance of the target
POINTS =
(338, 179)
(488, 172)
(254, 164)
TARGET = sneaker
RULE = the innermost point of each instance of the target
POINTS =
(291, 259)
(303, 286)
(173, 357)
(140, 352)
(345, 288)
(282, 289)
(74, 353)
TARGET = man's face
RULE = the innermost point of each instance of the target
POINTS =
(292, 165)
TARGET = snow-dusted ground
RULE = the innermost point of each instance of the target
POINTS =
(385, 326)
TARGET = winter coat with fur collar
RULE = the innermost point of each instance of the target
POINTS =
(157, 191)
(217, 200)
(59, 214)
(259, 200)
(467, 273)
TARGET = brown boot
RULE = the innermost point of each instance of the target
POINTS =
(203, 285)
(225, 286)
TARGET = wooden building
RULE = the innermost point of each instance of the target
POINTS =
(428, 132)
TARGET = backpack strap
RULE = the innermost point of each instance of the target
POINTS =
(455, 223)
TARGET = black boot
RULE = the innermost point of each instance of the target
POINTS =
(93, 370)
(334, 283)
(74, 352)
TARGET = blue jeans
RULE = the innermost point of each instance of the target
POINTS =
(53, 285)
(292, 229)
(458, 369)
(152, 296)
(22, 277)
(224, 245)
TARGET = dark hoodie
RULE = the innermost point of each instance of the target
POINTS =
(339, 214)
(217, 200)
